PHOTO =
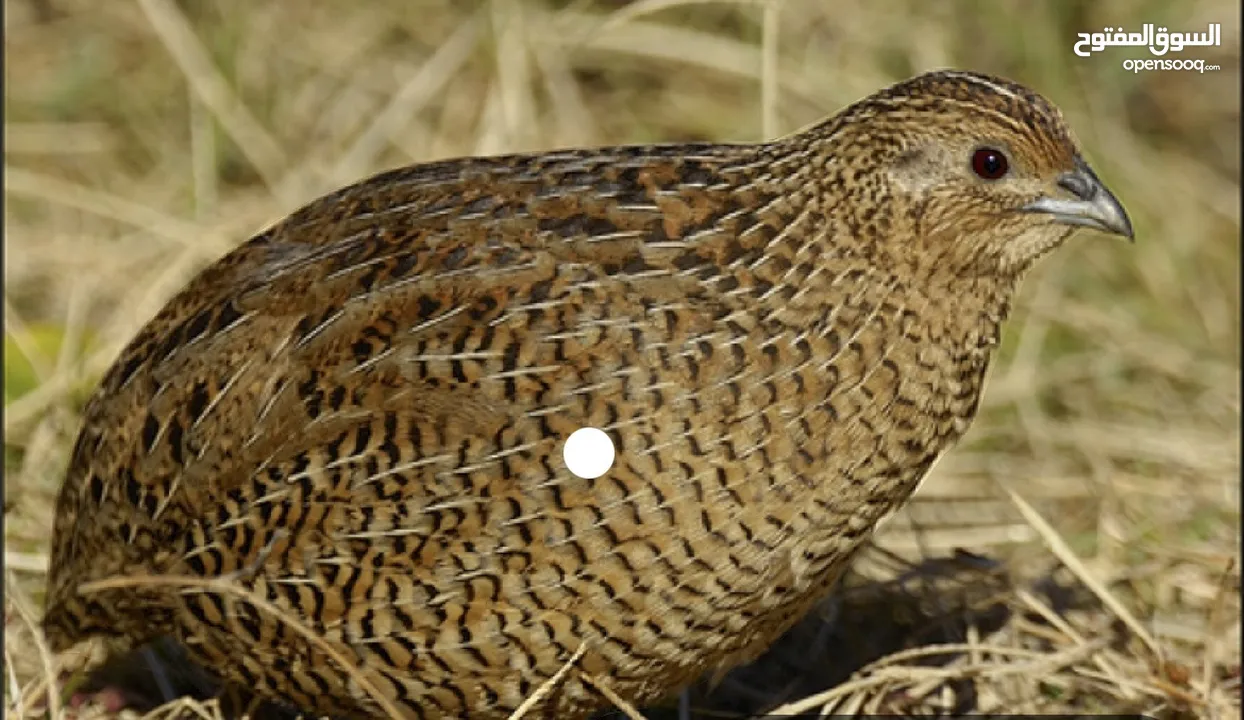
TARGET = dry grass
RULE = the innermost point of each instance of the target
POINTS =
(144, 138)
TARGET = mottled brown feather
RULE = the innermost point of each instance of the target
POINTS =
(361, 411)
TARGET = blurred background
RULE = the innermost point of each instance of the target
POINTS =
(145, 138)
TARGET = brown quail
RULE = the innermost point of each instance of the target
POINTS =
(359, 416)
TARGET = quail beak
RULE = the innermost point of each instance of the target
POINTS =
(1090, 204)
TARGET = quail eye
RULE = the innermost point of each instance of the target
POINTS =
(989, 163)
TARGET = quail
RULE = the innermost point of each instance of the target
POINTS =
(359, 416)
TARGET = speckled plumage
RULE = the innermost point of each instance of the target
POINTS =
(361, 411)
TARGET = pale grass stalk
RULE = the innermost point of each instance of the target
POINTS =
(225, 586)
(1212, 642)
(770, 87)
(203, 167)
(57, 138)
(36, 563)
(548, 686)
(1047, 614)
(1063, 552)
(21, 603)
(207, 710)
(38, 686)
(639, 8)
(62, 192)
(602, 686)
(1025, 365)
(16, 328)
(434, 74)
(194, 61)
(28, 407)
(573, 120)
(850, 706)
(888, 669)
(666, 43)
(489, 140)
(31, 406)
(974, 655)
(41, 456)
(15, 695)
(873, 700)
(74, 333)
(513, 74)
(1148, 685)
(928, 539)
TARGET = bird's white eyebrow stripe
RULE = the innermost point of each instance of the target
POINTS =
(978, 80)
